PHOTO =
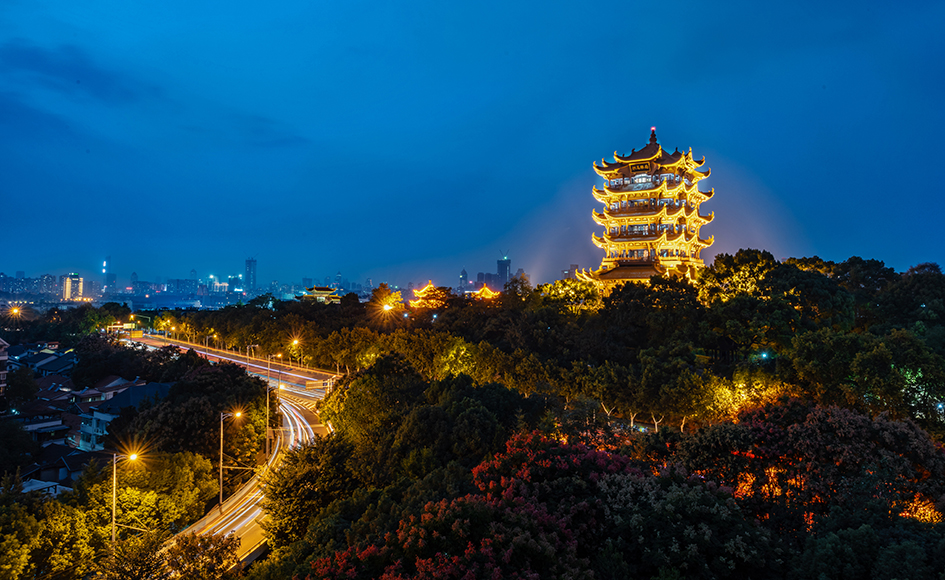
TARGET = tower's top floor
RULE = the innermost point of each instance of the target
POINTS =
(652, 160)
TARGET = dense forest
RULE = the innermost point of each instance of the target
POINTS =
(771, 420)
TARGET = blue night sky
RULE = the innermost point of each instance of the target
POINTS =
(406, 141)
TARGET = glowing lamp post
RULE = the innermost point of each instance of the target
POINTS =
(16, 313)
(222, 417)
(269, 388)
(148, 318)
(115, 458)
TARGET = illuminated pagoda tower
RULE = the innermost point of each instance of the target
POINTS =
(651, 216)
(428, 297)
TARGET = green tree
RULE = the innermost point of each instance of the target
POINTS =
(136, 558)
(18, 530)
(63, 547)
(573, 296)
(738, 275)
(309, 478)
(680, 522)
(866, 280)
(193, 557)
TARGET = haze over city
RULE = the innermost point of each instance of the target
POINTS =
(408, 141)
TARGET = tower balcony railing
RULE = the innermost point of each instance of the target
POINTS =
(650, 206)
(637, 235)
(629, 185)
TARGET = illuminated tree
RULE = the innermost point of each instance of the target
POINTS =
(64, 542)
(572, 296)
(18, 531)
(194, 557)
(137, 557)
(731, 276)
(791, 462)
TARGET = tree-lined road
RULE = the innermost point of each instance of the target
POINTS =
(241, 513)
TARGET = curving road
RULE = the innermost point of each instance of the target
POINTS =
(241, 513)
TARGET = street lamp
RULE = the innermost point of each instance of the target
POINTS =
(206, 342)
(16, 313)
(268, 388)
(222, 417)
(142, 316)
(298, 354)
(115, 458)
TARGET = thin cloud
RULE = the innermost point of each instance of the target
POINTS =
(70, 71)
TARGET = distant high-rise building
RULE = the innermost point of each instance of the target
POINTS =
(570, 273)
(505, 266)
(106, 285)
(249, 280)
(464, 280)
(183, 287)
(308, 283)
(193, 274)
(71, 286)
(134, 277)
(48, 284)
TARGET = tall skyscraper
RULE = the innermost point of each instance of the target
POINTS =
(249, 280)
(109, 280)
(464, 280)
(505, 266)
(71, 286)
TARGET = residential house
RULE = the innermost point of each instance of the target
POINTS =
(96, 420)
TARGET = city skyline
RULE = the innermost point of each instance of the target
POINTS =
(126, 280)
(406, 143)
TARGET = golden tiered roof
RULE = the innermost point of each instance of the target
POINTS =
(324, 294)
(427, 297)
(651, 215)
(484, 293)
